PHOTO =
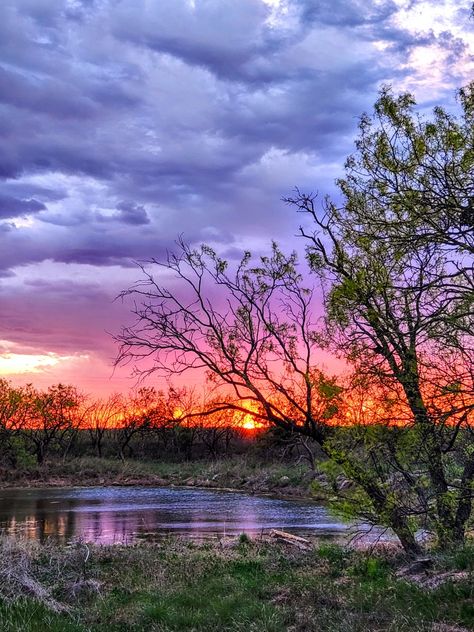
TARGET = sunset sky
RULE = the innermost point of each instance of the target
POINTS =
(127, 122)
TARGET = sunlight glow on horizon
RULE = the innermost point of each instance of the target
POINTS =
(15, 362)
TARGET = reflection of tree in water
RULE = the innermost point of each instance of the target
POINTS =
(54, 523)
(38, 518)
(109, 516)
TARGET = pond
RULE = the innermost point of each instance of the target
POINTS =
(110, 515)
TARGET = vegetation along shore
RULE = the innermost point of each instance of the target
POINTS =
(231, 584)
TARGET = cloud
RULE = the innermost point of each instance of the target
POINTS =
(14, 207)
(127, 213)
(125, 123)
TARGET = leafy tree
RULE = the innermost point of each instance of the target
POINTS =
(395, 261)
(53, 419)
(13, 416)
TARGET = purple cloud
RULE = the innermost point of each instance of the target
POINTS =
(14, 207)
(125, 123)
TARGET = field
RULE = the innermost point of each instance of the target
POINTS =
(237, 584)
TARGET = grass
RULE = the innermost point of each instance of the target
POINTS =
(242, 584)
(237, 472)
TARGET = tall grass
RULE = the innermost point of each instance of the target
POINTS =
(236, 585)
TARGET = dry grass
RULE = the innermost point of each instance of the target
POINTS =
(237, 472)
(55, 577)
(233, 584)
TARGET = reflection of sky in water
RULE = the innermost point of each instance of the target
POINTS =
(114, 514)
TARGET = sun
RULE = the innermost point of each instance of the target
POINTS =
(248, 420)
(248, 423)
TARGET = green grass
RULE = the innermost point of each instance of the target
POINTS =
(237, 472)
(235, 585)
(29, 616)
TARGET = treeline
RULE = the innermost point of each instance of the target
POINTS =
(61, 422)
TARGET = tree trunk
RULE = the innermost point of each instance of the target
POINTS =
(445, 518)
(407, 539)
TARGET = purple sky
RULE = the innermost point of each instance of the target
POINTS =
(126, 122)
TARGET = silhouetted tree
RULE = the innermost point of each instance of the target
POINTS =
(52, 419)
(102, 417)
(256, 341)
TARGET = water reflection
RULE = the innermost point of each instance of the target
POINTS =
(113, 514)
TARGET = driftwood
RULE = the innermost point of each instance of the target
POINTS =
(289, 538)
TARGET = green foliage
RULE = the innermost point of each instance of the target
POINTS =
(395, 261)
(461, 558)
(29, 616)
(336, 555)
(369, 567)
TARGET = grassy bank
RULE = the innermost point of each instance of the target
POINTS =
(238, 472)
(233, 585)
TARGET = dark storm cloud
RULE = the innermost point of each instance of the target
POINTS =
(346, 14)
(132, 214)
(14, 207)
(171, 105)
(124, 123)
(229, 51)
(44, 95)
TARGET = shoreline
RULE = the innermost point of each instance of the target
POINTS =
(231, 490)
(261, 480)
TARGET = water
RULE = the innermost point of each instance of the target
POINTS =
(126, 514)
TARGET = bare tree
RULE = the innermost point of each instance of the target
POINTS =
(101, 417)
(257, 349)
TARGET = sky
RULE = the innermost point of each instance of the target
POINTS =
(126, 123)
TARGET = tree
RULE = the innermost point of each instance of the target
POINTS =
(256, 341)
(100, 417)
(13, 416)
(53, 421)
(258, 349)
(394, 261)
(411, 179)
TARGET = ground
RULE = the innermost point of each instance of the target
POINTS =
(239, 584)
(237, 472)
